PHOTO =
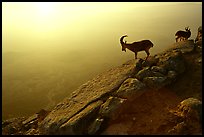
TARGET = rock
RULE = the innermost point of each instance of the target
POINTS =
(189, 111)
(199, 35)
(5, 123)
(32, 131)
(79, 123)
(172, 75)
(12, 126)
(99, 87)
(138, 65)
(190, 107)
(198, 47)
(174, 61)
(184, 46)
(30, 119)
(143, 73)
(156, 82)
(22, 125)
(95, 126)
(42, 114)
(131, 88)
(110, 107)
(158, 69)
(179, 129)
(198, 40)
(199, 60)
(147, 72)
(200, 29)
(31, 122)
(151, 61)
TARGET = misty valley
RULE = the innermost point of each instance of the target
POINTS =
(32, 81)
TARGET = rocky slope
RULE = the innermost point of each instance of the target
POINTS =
(162, 95)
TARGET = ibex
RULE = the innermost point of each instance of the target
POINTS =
(183, 35)
(135, 47)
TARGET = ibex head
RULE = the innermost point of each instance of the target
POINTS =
(123, 43)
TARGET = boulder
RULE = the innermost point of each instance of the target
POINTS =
(110, 107)
(174, 61)
(130, 89)
(78, 124)
(156, 82)
(147, 72)
(108, 110)
(158, 69)
(190, 107)
(189, 113)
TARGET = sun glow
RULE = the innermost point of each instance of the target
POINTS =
(47, 23)
(45, 8)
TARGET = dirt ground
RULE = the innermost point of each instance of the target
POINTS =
(145, 115)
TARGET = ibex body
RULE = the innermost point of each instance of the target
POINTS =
(136, 47)
(183, 35)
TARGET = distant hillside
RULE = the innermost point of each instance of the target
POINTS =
(40, 80)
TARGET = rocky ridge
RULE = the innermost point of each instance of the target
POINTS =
(114, 101)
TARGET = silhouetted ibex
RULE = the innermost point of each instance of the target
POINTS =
(135, 47)
(183, 35)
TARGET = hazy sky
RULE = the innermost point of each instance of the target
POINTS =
(32, 26)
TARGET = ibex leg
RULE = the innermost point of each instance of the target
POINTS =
(135, 55)
(147, 52)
